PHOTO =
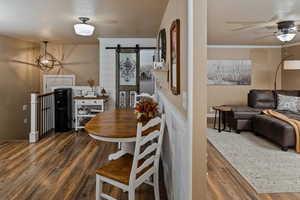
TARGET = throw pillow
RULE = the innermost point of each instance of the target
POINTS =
(290, 103)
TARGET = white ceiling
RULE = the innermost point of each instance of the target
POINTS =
(53, 20)
(221, 11)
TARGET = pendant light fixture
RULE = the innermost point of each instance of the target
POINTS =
(83, 28)
(46, 61)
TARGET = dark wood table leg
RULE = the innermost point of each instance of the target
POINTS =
(220, 119)
(229, 124)
(224, 120)
(215, 120)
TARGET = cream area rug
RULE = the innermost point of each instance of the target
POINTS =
(260, 162)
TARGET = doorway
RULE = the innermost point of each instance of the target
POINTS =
(50, 81)
(133, 75)
(147, 82)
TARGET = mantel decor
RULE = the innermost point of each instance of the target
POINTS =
(175, 57)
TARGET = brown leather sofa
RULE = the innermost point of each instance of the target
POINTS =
(241, 117)
(250, 118)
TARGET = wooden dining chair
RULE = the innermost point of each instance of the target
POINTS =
(130, 171)
(139, 97)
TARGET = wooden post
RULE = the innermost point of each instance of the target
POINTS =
(197, 91)
(34, 134)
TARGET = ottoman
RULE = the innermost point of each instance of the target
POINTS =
(275, 130)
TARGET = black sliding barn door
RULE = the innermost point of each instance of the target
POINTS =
(127, 76)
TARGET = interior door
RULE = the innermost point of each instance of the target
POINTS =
(127, 80)
(50, 81)
(147, 81)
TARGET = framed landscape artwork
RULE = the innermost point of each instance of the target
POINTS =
(175, 57)
(229, 72)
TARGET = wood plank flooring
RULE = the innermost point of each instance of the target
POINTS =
(225, 183)
(58, 167)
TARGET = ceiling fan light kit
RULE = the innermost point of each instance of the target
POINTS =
(46, 61)
(84, 29)
(285, 37)
(286, 30)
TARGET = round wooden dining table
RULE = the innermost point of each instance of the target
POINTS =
(119, 126)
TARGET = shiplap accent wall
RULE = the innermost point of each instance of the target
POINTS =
(108, 61)
(175, 151)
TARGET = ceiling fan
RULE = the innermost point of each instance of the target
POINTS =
(286, 30)
(47, 62)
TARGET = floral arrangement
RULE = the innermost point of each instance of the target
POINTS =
(91, 83)
(146, 109)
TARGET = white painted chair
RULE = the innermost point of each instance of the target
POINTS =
(138, 97)
(130, 171)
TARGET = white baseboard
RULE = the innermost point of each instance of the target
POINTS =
(33, 137)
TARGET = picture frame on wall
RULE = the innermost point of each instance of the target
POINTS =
(175, 57)
(162, 45)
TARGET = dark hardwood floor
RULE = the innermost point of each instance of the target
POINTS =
(225, 183)
(61, 166)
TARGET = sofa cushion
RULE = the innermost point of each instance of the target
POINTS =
(244, 112)
(263, 99)
(294, 93)
(290, 103)
(290, 114)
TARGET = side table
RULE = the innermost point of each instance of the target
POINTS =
(222, 111)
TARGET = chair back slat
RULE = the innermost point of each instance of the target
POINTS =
(149, 137)
(153, 122)
(148, 150)
(146, 163)
(145, 157)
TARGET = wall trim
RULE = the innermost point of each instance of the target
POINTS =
(175, 159)
(244, 46)
(291, 45)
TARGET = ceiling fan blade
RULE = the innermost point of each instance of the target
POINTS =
(245, 27)
(25, 63)
(255, 24)
(62, 53)
(59, 71)
(297, 22)
(275, 18)
(245, 22)
(108, 21)
(76, 63)
(67, 54)
(272, 27)
(264, 37)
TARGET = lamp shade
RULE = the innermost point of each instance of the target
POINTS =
(286, 37)
(291, 65)
(84, 29)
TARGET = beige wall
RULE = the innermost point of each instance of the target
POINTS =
(16, 83)
(291, 78)
(82, 60)
(176, 9)
(264, 64)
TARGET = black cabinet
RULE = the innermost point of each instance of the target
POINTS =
(63, 109)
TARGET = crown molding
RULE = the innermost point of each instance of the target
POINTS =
(244, 46)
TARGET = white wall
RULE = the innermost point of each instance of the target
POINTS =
(108, 60)
(175, 151)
